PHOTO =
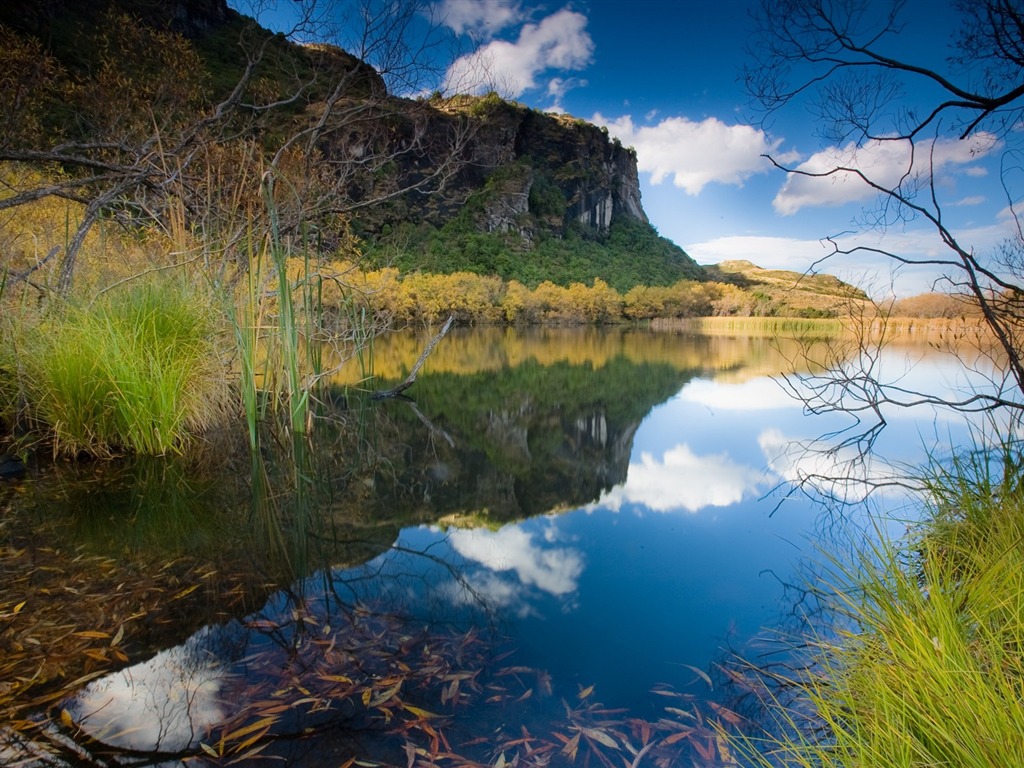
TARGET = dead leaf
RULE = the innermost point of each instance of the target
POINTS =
(601, 737)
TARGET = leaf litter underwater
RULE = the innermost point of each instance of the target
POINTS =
(312, 680)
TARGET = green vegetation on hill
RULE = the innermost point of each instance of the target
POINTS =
(631, 254)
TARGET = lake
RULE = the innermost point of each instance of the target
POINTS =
(553, 551)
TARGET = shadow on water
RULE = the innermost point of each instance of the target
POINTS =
(275, 610)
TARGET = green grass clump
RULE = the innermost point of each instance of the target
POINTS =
(136, 370)
(930, 671)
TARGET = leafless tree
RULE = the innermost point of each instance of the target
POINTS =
(840, 60)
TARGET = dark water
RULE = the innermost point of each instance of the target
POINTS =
(560, 518)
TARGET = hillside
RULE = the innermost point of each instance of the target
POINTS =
(439, 184)
(535, 197)
(786, 291)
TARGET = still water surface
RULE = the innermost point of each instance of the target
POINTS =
(612, 509)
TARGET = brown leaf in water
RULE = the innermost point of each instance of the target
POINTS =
(705, 748)
(601, 737)
(571, 748)
(260, 728)
(677, 737)
(385, 695)
(726, 714)
(93, 634)
(420, 713)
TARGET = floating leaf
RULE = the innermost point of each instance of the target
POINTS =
(260, 725)
(19, 606)
(420, 713)
(336, 678)
(208, 749)
(601, 737)
(704, 748)
(385, 695)
(676, 737)
(250, 753)
(186, 592)
(723, 750)
(681, 713)
(571, 747)
(586, 692)
(726, 714)
(701, 673)
(92, 634)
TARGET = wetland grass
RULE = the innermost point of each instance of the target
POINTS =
(930, 670)
(139, 369)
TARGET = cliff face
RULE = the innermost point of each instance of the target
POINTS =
(596, 176)
(520, 171)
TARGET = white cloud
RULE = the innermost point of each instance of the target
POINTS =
(884, 162)
(558, 42)
(870, 270)
(683, 480)
(846, 474)
(971, 200)
(693, 153)
(558, 87)
(767, 252)
(482, 19)
(555, 570)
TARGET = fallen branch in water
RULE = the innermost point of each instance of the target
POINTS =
(411, 378)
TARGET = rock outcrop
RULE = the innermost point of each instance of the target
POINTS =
(538, 170)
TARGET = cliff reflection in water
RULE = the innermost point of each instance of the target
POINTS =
(526, 422)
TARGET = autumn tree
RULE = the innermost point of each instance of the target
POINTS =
(842, 62)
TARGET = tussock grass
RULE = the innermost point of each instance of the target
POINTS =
(137, 370)
(930, 671)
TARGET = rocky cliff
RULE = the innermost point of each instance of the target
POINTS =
(559, 169)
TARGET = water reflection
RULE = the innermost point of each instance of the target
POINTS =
(614, 505)
(167, 704)
(681, 480)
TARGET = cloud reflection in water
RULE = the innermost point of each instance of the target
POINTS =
(683, 480)
(538, 564)
(166, 704)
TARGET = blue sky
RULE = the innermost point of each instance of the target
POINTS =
(663, 76)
